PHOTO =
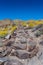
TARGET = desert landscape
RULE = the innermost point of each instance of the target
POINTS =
(21, 42)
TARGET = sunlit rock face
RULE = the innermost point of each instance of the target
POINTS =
(21, 42)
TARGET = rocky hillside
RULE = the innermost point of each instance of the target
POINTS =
(22, 43)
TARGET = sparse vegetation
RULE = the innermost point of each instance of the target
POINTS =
(9, 28)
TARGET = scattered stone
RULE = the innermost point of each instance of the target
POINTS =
(25, 45)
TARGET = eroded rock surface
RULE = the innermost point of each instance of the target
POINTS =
(25, 47)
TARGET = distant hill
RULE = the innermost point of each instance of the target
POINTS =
(6, 22)
(17, 21)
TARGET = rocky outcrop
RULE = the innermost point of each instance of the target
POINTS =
(22, 47)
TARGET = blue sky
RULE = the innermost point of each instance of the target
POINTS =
(21, 9)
